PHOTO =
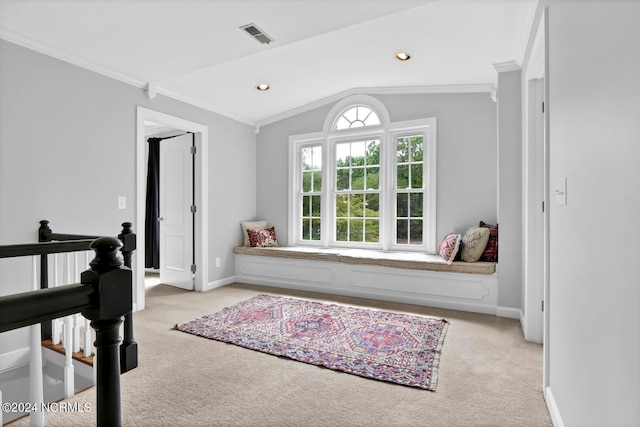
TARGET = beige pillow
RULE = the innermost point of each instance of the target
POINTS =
(256, 225)
(474, 242)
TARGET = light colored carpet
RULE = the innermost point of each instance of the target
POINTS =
(489, 376)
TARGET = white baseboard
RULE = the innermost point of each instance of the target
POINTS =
(14, 359)
(556, 419)
(219, 283)
(509, 312)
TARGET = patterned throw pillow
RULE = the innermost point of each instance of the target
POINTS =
(262, 238)
(256, 225)
(474, 242)
(449, 247)
(491, 251)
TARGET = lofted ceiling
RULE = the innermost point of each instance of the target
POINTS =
(194, 50)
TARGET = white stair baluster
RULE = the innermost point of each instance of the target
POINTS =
(76, 317)
(68, 365)
(87, 338)
(76, 332)
(56, 325)
(67, 341)
(88, 341)
(95, 368)
(36, 393)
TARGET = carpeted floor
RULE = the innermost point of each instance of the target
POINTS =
(489, 376)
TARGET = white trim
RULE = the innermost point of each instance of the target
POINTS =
(366, 100)
(220, 283)
(429, 179)
(455, 291)
(552, 406)
(509, 312)
(54, 52)
(505, 67)
(400, 90)
(386, 132)
(205, 106)
(151, 89)
(202, 196)
(14, 359)
(295, 143)
(532, 215)
(535, 187)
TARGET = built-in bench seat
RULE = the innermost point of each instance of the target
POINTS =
(408, 277)
(405, 260)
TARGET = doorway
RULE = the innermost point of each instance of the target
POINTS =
(170, 205)
(199, 246)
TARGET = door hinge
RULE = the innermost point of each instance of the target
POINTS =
(193, 150)
(543, 106)
(193, 208)
(542, 308)
(543, 206)
(193, 268)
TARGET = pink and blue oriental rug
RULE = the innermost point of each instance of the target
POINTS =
(393, 347)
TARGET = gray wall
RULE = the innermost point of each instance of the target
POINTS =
(67, 150)
(466, 166)
(510, 188)
(594, 115)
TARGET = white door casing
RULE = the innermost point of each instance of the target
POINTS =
(176, 222)
(201, 190)
(536, 192)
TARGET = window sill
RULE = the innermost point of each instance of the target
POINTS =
(404, 260)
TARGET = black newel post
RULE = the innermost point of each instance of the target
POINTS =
(44, 235)
(129, 347)
(113, 300)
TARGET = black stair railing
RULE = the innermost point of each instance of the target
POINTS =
(129, 347)
(104, 296)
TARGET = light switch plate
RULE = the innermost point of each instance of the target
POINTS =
(561, 191)
(122, 202)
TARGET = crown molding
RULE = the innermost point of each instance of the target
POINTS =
(151, 89)
(49, 50)
(401, 90)
(505, 67)
(211, 108)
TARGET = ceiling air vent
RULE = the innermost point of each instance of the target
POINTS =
(257, 33)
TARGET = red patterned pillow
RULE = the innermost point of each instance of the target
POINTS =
(449, 247)
(491, 251)
(264, 238)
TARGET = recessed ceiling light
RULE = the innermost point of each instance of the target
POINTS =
(403, 56)
(263, 87)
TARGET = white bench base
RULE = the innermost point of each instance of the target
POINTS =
(444, 289)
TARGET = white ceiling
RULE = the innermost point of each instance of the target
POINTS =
(194, 50)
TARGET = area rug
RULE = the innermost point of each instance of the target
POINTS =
(385, 346)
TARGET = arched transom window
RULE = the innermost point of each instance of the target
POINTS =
(355, 117)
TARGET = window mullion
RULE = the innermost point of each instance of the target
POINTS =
(328, 198)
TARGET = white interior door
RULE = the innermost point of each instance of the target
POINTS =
(176, 219)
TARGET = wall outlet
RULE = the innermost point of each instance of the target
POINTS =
(122, 202)
(217, 262)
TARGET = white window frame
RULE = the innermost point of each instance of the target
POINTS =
(387, 133)
(296, 144)
(426, 128)
(352, 135)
